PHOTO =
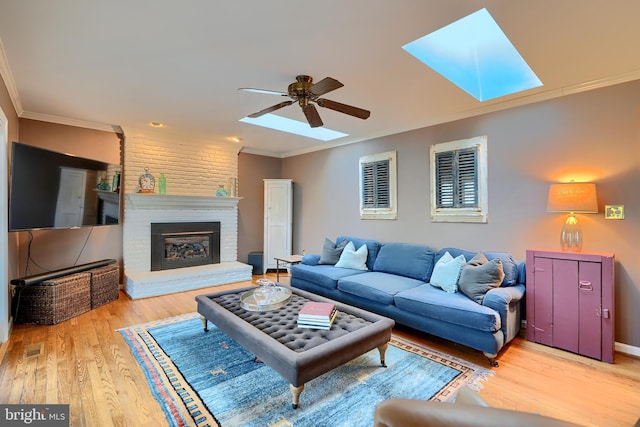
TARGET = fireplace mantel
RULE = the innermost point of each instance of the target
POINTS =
(165, 201)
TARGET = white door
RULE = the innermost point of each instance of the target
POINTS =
(71, 195)
(278, 209)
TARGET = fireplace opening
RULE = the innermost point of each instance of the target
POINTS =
(184, 244)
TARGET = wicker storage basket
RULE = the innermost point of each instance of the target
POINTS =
(105, 282)
(54, 301)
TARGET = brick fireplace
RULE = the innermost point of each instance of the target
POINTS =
(193, 171)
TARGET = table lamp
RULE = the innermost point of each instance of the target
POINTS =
(572, 197)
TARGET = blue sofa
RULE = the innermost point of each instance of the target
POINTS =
(396, 284)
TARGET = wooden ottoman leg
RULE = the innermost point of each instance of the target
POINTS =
(205, 325)
(295, 394)
(383, 349)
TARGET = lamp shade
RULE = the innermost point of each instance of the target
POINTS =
(573, 197)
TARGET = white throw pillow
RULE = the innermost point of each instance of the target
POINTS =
(352, 258)
(446, 272)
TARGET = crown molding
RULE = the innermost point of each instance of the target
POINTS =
(531, 98)
(70, 122)
(7, 76)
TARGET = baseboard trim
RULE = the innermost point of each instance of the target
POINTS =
(618, 346)
(627, 349)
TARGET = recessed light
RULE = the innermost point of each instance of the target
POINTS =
(157, 124)
(235, 139)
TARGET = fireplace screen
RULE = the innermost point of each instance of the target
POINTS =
(178, 245)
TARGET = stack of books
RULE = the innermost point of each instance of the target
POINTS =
(317, 315)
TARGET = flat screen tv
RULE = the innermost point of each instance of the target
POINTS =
(53, 190)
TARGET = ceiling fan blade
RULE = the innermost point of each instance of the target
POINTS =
(344, 108)
(270, 109)
(268, 92)
(324, 86)
(312, 115)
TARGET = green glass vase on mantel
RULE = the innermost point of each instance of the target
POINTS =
(221, 192)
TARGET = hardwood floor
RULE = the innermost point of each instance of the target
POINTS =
(86, 363)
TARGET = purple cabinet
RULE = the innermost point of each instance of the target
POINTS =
(570, 301)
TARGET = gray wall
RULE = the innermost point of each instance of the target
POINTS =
(591, 136)
(252, 169)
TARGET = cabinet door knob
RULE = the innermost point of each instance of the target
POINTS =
(585, 285)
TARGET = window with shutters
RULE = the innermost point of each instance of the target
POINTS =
(378, 186)
(459, 181)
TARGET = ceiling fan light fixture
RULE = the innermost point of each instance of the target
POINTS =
(304, 92)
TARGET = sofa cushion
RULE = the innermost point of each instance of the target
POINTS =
(479, 276)
(377, 286)
(509, 265)
(447, 271)
(373, 247)
(455, 308)
(331, 252)
(405, 259)
(323, 275)
(353, 258)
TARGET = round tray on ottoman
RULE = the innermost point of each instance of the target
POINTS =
(265, 298)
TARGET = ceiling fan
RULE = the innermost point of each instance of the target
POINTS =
(304, 91)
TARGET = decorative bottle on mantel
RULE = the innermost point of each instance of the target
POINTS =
(162, 184)
(233, 187)
(221, 191)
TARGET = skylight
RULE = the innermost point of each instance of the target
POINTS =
(284, 124)
(477, 56)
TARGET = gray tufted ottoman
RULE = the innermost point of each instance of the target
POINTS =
(297, 354)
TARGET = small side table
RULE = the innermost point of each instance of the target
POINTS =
(286, 260)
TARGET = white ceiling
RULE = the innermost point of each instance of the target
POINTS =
(125, 63)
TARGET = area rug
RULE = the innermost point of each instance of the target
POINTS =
(206, 379)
